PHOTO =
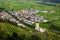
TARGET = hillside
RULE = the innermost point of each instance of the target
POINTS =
(10, 31)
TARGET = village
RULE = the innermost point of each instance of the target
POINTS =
(27, 16)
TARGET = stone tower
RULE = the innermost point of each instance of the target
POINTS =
(37, 26)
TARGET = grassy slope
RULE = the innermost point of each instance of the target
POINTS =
(9, 29)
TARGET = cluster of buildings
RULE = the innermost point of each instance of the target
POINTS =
(27, 16)
(5, 15)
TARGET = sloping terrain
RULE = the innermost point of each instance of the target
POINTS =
(16, 5)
